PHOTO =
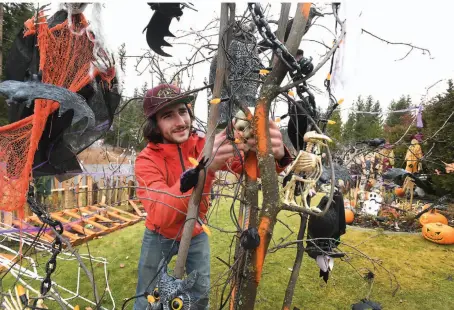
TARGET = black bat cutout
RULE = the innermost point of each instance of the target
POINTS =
(18, 92)
(158, 27)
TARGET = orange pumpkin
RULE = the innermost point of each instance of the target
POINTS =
(399, 192)
(438, 233)
(349, 216)
(433, 217)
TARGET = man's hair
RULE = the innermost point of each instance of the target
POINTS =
(151, 130)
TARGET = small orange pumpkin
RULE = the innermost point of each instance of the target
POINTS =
(438, 233)
(349, 216)
(433, 217)
(399, 191)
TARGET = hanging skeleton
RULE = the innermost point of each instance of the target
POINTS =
(172, 293)
(310, 165)
(243, 63)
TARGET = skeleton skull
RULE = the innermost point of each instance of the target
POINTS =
(243, 125)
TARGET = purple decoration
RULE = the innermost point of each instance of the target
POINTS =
(419, 123)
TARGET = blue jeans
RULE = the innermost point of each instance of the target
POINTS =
(155, 247)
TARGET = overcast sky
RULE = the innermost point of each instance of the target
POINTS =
(369, 67)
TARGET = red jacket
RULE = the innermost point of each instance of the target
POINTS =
(159, 167)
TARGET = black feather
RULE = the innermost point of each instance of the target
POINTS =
(190, 178)
(297, 127)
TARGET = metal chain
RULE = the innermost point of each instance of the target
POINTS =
(56, 246)
(265, 31)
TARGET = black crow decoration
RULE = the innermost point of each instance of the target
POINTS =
(329, 228)
(398, 175)
(159, 24)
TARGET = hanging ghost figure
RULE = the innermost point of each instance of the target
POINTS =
(172, 293)
(243, 62)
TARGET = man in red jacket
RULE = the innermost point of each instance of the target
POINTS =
(158, 169)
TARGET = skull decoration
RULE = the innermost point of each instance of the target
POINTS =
(243, 125)
(173, 293)
(373, 204)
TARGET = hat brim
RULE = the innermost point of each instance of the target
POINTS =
(184, 100)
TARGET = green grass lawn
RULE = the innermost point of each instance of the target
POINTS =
(421, 267)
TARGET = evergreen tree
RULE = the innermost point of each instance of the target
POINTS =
(435, 115)
(14, 16)
(396, 125)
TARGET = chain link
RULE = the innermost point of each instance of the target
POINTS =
(56, 246)
(265, 31)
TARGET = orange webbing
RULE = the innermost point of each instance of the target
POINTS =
(65, 60)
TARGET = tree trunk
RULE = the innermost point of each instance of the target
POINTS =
(296, 266)
(248, 217)
(270, 205)
(1, 40)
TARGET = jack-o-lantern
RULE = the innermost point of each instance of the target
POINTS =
(438, 233)
(433, 217)
(399, 191)
(349, 216)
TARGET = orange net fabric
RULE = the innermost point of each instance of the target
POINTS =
(66, 60)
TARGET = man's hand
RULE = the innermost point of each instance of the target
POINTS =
(277, 144)
(223, 150)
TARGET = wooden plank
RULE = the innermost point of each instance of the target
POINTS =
(66, 194)
(124, 190)
(55, 185)
(114, 192)
(86, 220)
(10, 257)
(108, 192)
(101, 189)
(89, 191)
(7, 218)
(116, 210)
(79, 228)
(23, 224)
(131, 191)
(136, 208)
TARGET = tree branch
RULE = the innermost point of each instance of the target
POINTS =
(424, 50)
(194, 201)
(322, 62)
